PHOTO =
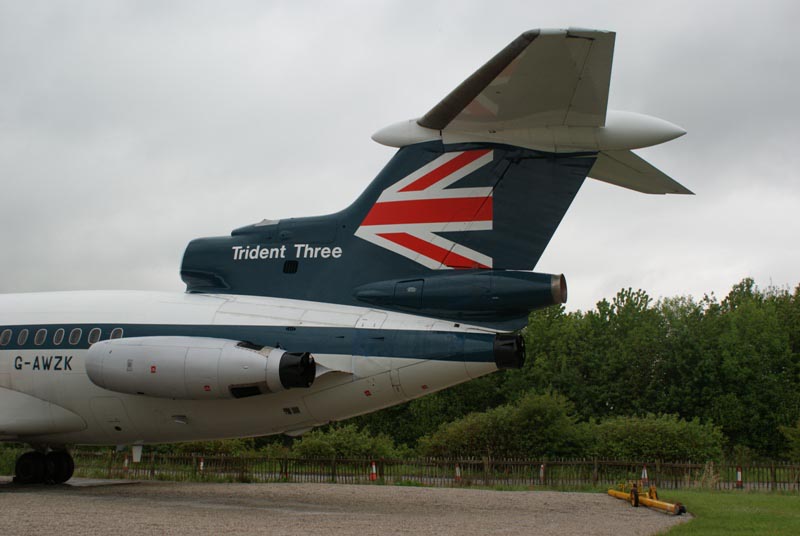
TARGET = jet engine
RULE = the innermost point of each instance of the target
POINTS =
(196, 368)
(469, 294)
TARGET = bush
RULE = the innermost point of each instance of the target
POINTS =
(535, 426)
(222, 447)
(345, 442)
(663, 437)
(274, 450)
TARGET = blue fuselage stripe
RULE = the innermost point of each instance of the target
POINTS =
(415, 344)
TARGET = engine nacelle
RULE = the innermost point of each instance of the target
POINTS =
(468, 294)
(195, 368)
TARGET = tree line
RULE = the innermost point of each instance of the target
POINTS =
(732, 365)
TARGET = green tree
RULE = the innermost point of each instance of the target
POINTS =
(663, 437)
(792, 434)
(345, 441)
(535, 426)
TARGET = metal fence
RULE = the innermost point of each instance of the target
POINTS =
(552, 474)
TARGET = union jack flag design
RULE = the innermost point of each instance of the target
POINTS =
(409, 213)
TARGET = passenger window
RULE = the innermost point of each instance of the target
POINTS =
(116, 333)
(58, 337)
(40, 336)
(5, 338)
(94, 335)
(22, 338)
(75, 336)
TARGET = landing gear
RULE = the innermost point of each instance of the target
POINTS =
(31, 468)
(55, 467)
(60, 467)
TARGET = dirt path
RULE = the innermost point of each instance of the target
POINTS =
(110, 507)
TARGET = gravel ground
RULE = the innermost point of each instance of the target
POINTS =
(131, 508)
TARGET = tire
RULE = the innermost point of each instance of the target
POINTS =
(30, 468)
(60, 467)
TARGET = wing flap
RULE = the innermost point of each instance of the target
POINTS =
(626, 169)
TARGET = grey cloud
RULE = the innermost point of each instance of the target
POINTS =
(128, 128)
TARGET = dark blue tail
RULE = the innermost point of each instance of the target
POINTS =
(441, 231)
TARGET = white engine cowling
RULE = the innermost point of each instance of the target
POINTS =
(195, 368)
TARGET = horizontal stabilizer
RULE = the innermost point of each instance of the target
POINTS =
(543, 78)
(626, 169)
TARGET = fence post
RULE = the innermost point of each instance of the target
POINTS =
(595, 475)
(285, 469)
(485, 471)
(242, 469)
(111, 456)
(657, 476)
(333, 469)
(773, 485)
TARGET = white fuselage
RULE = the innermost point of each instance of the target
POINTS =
(79, 411)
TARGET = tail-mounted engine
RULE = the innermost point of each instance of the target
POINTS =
(196, 368)
(482, 295)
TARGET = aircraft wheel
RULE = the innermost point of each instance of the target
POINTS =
(30, 468)
(60, 467)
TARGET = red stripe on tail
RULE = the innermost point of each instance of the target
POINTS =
(430, 211)
(439, 254)
(446, 169)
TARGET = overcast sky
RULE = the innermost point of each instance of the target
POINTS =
(129, 128)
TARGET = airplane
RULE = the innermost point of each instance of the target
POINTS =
(422, 283)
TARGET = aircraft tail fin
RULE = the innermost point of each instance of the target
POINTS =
(454, 222)
(469, 206)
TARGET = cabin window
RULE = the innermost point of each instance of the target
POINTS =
(58, 337)
(94, 335)
(40, 337)
(75, 336)
(5, 338)
(116, 333)
(22, 338)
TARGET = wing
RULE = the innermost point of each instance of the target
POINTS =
(543, 78)
(23, 415)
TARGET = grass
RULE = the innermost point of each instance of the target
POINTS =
(731, 512)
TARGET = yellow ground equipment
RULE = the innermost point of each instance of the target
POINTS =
(649, 498)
